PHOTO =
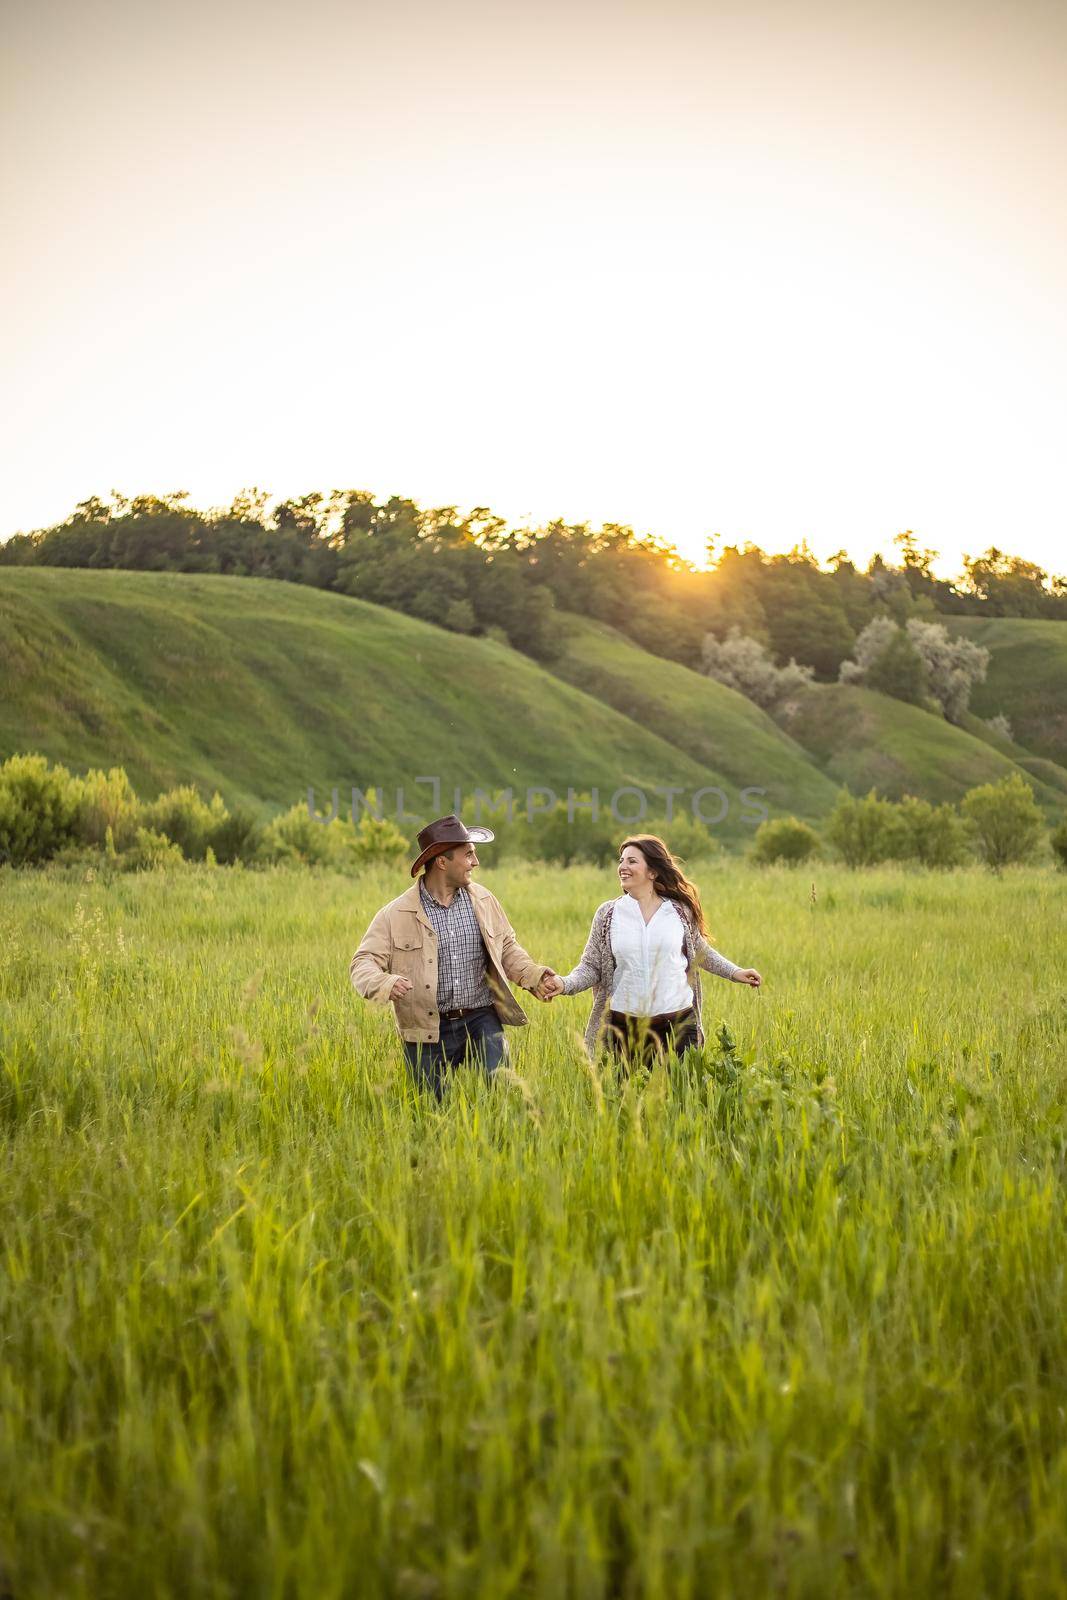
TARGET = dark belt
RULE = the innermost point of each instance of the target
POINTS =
(664, 1016)
(674, 1016)
(463, 1011)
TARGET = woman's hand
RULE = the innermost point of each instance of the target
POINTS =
(401, 987)
(748, 975)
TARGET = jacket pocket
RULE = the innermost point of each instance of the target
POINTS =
(407, 951)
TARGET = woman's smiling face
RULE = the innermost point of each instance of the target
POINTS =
(633, 870)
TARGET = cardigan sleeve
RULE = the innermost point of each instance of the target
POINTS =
(710, 959)
(587, 973)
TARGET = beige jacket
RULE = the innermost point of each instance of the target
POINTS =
(401, 943)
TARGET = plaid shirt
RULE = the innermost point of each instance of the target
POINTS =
(461, 979)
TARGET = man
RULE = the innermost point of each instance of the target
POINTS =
(442, 954)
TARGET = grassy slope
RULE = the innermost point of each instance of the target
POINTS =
(263, 688)
(1039, 767)
(716, 725)
(842, 734)
(1027, 678)
(866, 740)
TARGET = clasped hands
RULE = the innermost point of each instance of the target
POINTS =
(550, 986)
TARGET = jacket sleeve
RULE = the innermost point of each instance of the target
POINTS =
(586, 974)
(369, 969)
(711, 961)
(518, 967)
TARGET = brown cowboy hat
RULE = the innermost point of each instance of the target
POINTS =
(441, 835)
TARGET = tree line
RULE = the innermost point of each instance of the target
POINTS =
(473, 574)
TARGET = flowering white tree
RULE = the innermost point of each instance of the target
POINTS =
(869, 648)
(744, 664)
(951, 666)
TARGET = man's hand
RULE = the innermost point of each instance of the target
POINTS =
(551, 985)
(401, 987)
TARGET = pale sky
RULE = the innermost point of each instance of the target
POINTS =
(775, 271)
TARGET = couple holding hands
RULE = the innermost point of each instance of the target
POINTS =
(444, 953)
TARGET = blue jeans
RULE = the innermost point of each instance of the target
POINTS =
(479, 1037)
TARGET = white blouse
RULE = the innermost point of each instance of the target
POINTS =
(650, 975)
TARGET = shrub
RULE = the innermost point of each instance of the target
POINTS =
(685, 837)
(106, 800)
(866, 831)
(1000, 726)
(236, 837)
(38, 810)
(151, 852)
(80, 858)
(296, 836)
(1058, 841)
(784, 839)
(459, 617)
(182, 816)
(1004, 820)
(936, 834)
(509, 832)
(378, 841)
(553, 836)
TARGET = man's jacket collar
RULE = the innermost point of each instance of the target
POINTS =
(411, 900)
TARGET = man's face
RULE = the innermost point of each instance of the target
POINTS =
(456, 867)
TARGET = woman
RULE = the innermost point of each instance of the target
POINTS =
(642, 958)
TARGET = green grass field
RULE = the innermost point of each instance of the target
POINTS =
(787, 1322)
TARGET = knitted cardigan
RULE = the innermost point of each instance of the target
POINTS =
(596, 969)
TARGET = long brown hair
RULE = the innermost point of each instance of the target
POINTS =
(667, 875)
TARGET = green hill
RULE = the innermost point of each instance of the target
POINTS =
(1026, 680)
(1036, 767)
(716, 725)
(867, 740)
(261, 689)
(841, 734)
